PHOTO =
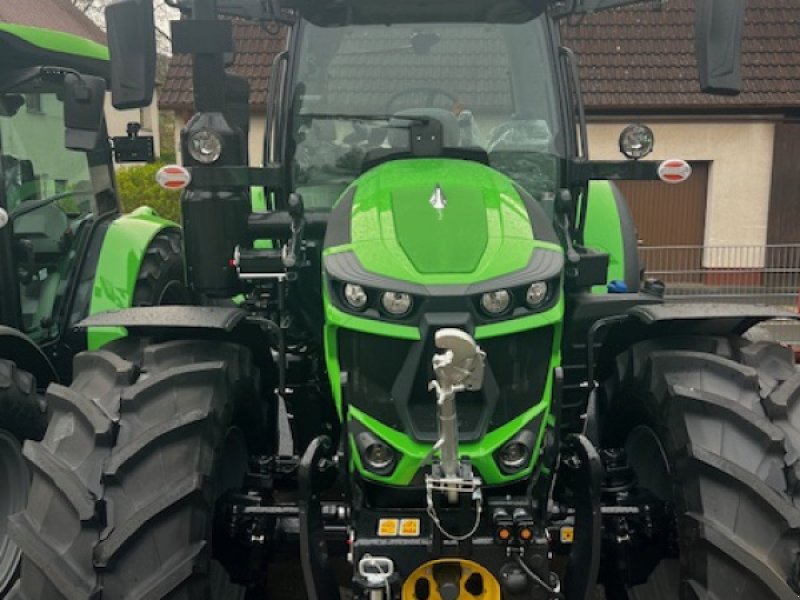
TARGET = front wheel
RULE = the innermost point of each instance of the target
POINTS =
(137, 452)
(712, 426)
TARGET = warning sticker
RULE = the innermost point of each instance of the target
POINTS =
(567, 535)
(409, 527)
(388, 527)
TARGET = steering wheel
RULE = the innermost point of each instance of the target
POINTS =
(429, 94)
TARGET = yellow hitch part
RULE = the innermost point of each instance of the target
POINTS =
(451, 579)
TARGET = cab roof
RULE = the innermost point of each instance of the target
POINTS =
(23, 46)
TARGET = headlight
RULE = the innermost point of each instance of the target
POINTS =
(355, 296)
(396, 304)
(205, 146)
(378, 456)
(536, 294)
(514, 455)
(636, 141)
(496, 303)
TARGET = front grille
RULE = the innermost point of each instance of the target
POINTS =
(388, 380)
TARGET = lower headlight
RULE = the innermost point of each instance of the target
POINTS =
(496, 303)
(379, 457)
(205, 146)
(514, 455)
(397, 304)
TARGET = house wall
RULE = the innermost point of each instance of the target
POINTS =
(739, 154)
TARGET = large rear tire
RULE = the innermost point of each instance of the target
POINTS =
(22, 416)
(137, 452)
(713, 425)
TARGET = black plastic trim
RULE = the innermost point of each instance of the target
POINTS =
(540, 223)
(543, 265)
(338, 231)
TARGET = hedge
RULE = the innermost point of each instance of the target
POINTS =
(136, 186)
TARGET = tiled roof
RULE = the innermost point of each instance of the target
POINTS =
(637, 58)
(255, 49)
(60, 15)
(643, 57)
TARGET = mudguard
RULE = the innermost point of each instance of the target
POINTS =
(610, 228)
(118, 266)
(141, 318)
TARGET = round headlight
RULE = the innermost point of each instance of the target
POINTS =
(3, 218)
(636, 141)
(536, 294)
(514, 455)
(396, 304)
(379, 456)
(355, 296)
(496, 303)
(205, 146)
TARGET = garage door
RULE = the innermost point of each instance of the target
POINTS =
(671, 221)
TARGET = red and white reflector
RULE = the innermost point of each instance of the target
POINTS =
(674, 170)
(173, 177)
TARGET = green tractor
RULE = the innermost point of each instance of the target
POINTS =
(65, 251)
(442, 378)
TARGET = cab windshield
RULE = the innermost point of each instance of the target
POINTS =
(356, 89)
(51, 195)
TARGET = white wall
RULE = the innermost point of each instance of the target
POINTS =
(740, 153)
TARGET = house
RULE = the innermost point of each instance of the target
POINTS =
(637, 65)
(61, 15)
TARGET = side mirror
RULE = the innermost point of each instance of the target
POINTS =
(718, 45)
(84, 98)
(132, 45)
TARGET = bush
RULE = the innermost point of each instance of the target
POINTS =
(136, 186)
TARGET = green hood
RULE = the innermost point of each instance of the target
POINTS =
(438, 221)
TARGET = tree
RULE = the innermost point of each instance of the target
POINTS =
(95, 10)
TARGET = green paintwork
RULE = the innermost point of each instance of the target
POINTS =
(603, 231)
(57, 41)
(464, 220)
(118, 267)
(483, 232)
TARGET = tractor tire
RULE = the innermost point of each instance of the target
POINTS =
(137, 452)
(713, 426)
(22, 417)
(160, 281)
